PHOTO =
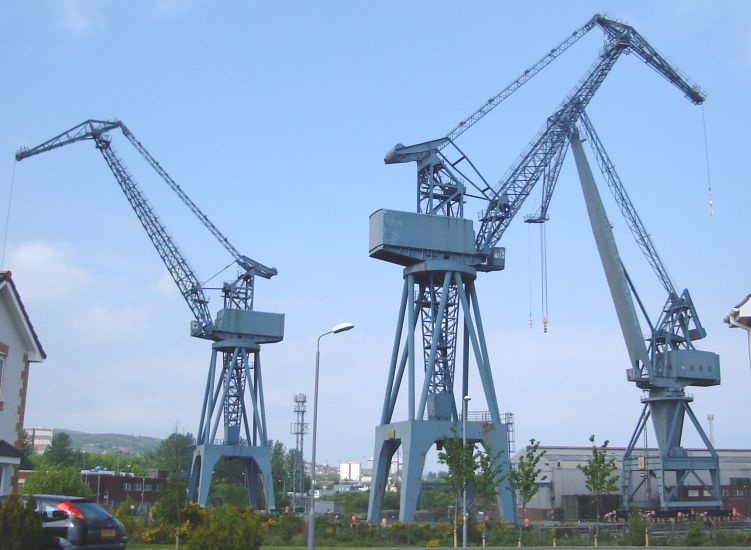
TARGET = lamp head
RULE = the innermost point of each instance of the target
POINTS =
(467, 398)
(341, 327)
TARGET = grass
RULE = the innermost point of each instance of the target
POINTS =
(142, 546)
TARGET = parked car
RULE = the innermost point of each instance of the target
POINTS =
(72, 523)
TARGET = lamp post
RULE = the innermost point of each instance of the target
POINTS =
(311, 515)
(465, 403)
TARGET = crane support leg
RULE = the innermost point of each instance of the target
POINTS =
(225, 397)
(440, 298)
(416, 437)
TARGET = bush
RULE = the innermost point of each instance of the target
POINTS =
(123, 513)
(286, 529)
(636, 529)
(159, 532)
(228, 528)
(695, 533)
(20, 525)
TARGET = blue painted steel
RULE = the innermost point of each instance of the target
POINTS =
(437, 286)
(666, 371)
(236, 333)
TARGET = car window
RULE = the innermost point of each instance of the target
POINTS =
(91, 509)
(46, 508)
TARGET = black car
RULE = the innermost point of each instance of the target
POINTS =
(78, 522)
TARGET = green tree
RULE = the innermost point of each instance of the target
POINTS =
(489, 474)
(281, 472)
(600, 479)
(137, 465)
(524, 477)
(60, 453)
(436, 497)
(351, 502)
(228, 528)
(56, 481)
(20, 525)
(462, 464)
(174, 455)
(27, 451)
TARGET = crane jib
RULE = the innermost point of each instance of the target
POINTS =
(184, 276)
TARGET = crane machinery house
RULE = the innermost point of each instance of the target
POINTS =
(19, 347)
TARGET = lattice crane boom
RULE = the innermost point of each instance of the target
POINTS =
(177, 265)
(516, 186)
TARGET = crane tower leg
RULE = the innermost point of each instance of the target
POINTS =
(225, 398)
(440, 297)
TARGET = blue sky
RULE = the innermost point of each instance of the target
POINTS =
(274, 117)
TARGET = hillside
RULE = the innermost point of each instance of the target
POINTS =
(112, 443)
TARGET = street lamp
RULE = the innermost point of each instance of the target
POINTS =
(465, 406)
(342, 327)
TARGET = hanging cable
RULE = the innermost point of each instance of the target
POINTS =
(7, 215)
(529, 270)
(706, 157)
(544, 277)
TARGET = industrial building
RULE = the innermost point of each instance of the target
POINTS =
(562, 493)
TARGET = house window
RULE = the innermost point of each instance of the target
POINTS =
(694, 493)
(2, 380)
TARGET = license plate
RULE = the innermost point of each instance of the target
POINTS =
(108, 533)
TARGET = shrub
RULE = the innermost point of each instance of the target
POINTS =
(636, 529)
(159, 532)
(20, 525)
(285, 529)
(695, 533)
(123, 513)
(228, 528)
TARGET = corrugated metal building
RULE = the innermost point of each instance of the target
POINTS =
(563, 495)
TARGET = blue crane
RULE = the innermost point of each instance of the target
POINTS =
(441, 256)
(663, 366)
(236, 333)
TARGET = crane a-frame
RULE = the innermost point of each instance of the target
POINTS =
(236, 334)
(441, 257)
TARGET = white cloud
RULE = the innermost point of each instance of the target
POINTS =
(102, 323)
(166, 8)
(77, 17)
(46, 270)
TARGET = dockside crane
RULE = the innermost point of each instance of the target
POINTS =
(441, 256)
(663, 366)
(237, 332)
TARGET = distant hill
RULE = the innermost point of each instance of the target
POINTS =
(112, 443)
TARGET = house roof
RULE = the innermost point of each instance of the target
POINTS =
(35, 351)
(8, 450)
